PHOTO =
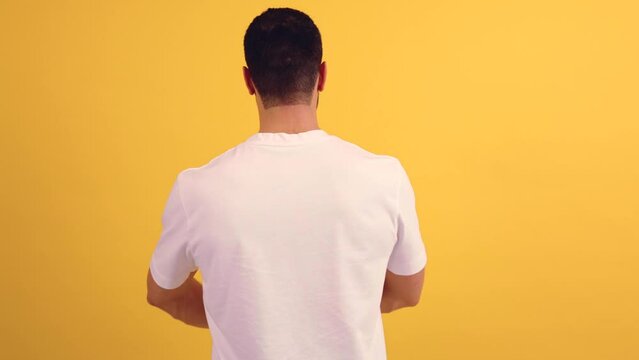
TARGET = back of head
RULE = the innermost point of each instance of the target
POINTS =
(283, 51)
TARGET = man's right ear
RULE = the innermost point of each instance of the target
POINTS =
(247, 80)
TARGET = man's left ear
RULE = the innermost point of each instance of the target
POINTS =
(322, 76)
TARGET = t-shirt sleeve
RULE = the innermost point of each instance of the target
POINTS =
(409, 253)
(171, 262)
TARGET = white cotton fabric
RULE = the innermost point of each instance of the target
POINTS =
(292, 234)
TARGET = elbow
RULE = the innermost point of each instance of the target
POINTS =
(412, 302)
(153, 301)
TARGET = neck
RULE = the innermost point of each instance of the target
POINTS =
(288, 119)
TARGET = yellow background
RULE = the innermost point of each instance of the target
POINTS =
(517, 122)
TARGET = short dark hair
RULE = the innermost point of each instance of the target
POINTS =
(283, 51)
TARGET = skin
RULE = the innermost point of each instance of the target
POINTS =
(288, 118)
(185, 303)
(401, 290)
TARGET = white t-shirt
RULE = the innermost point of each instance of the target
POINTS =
(292, 234)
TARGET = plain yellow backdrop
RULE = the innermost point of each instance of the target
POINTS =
(517, 122)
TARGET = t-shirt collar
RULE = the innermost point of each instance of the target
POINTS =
(283, 138)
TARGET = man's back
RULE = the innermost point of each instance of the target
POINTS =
(293, 233)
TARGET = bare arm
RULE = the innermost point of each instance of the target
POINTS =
(185, 303)
(401, 291)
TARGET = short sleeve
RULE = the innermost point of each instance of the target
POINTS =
(409, 253)
(171, 262)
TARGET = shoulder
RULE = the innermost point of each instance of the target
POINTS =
(358, 151)
(190, 176)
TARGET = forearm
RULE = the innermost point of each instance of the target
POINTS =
(189, 308)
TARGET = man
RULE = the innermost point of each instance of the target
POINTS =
(302, 238)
